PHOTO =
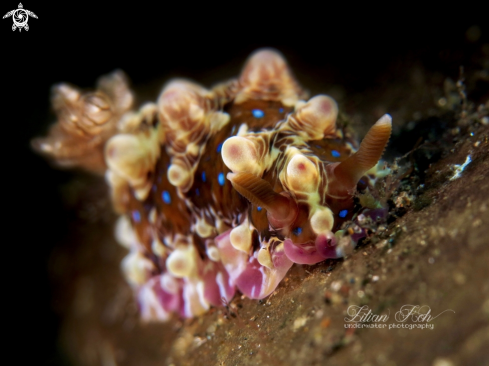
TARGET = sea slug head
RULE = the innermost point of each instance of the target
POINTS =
(307, 199)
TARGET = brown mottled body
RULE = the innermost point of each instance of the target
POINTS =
(208, 198)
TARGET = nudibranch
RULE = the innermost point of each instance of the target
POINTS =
(220, 190)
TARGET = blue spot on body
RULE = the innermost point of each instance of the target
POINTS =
(297, 231)
(203, 177)
(166, 197)
(258, 208)
(220, 179)
(219, 147)
(343, 213)
(281, 110)
(197, 192)
(335, 153)
(362, 181)
(258, 113)
(136, 216)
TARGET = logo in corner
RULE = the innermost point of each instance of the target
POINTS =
(20, 17)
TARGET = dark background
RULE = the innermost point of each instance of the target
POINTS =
(350, 47)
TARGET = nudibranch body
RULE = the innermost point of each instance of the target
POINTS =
(219, 190)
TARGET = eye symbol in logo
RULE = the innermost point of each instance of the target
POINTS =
(20, 17)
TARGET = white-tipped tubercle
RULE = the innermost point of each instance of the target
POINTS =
(66, 91)
(137, 268)
(262, 66)
(203, 229)
(264, 258)
(178, 175)
(241, 237)
(124, 233)
(317, 118)
(182, 261)
(181, 96)
(322, 220)
(183, 108)
(240, 155)
(302, 174)
(132, 157)
(124, 155)
(267, 76)
(158, 248)
(213, 253)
